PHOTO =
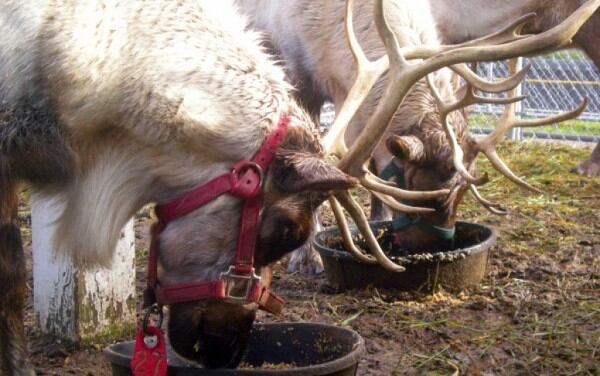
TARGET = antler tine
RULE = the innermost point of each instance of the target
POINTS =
(509, 121)
(457, 151)
(347, 235)
(398, 206)
(509, 33)
(367, 74)
(489, 86)
(362, 224)
(488, 145)
(374, 183)
(396, 90)
(493, 207)
(501, 167)
(552, 39)
(470, 98)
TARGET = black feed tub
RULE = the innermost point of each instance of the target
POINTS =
(455, 270)
(280, 348)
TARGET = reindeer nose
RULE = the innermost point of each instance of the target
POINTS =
(221, 350)
(213, 350)
(214, 334)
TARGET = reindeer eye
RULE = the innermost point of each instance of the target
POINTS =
(286, 228)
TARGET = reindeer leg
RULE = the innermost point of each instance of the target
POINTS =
(13, 349)
(591, 166)
(588, 38)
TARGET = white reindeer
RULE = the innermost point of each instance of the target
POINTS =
(115, 104)
(307, 35)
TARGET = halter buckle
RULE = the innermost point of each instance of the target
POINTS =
(238, 286)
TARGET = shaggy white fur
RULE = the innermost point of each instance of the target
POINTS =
(156, 97)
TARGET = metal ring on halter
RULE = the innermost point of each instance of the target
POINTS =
(248, 165)
(250, 188)
(156, 310)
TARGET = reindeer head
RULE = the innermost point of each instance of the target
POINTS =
(445, 172)
(201, 245)
(423, 152)
(417, 156)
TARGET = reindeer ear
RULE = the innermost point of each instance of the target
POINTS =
(408, 148)
(305, 172)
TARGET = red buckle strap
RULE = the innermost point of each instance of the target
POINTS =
(266, 299)
(254, 292)
(185, 292)
(239, 283)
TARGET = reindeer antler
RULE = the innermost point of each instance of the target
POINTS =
(489, 205)
(471, 98)
(507, 43)
(508, 121)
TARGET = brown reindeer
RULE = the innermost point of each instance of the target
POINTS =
(116, 104)
(485, 16)
(308, 35)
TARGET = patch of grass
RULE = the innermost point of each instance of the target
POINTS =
(538, 309)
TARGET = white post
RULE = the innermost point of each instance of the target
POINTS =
(490, 76)
(80, 304)
(516, 134)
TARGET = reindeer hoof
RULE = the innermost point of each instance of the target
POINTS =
(305, 260)
(591, 166)
(588, 168)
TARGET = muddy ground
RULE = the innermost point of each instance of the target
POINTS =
(536, 312)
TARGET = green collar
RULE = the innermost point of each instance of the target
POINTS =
(402, 221)
(393, 171)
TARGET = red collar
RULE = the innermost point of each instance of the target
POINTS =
(239, 283)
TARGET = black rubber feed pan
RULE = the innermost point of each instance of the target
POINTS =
(455, 269)
(280, 349)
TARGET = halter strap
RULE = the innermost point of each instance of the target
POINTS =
(239, 283)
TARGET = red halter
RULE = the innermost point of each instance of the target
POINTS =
(239, 284)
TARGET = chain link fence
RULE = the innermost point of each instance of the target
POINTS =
(555, 83)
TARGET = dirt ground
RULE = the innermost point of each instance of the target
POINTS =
(537, 311)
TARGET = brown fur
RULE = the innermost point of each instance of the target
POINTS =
(13, 350)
